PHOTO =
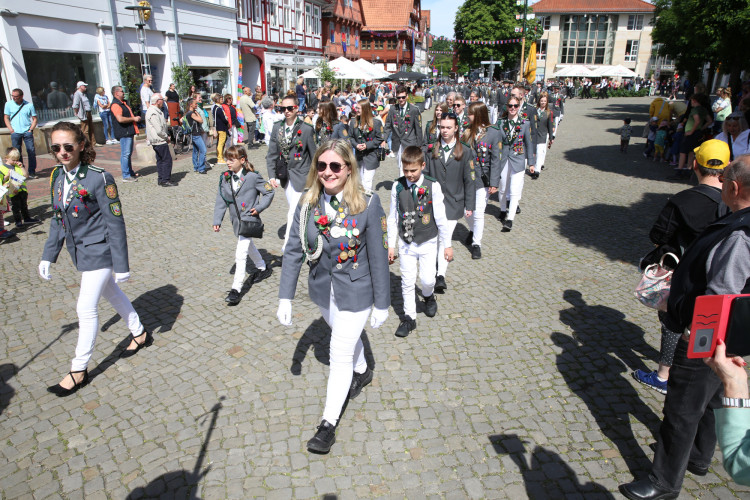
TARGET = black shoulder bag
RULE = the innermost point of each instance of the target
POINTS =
(248, 229)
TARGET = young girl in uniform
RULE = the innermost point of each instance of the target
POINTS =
(366, 134)
(245, 194)
(432, 129)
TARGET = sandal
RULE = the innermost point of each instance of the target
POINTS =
(131, 352)
(61, 391)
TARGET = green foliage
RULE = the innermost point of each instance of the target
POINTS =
(413, 99)
(325, 73)
(182, 79)
(627, 93)
(491, 20)
(442, 61)
(130, 77)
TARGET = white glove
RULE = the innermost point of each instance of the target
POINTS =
(44, 270)
(284, 313)
(378, 317)
(122, 277)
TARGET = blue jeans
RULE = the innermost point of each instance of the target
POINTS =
(126, 149)
(109, 132)
(28, 139)
(199, 154)
(301, 104)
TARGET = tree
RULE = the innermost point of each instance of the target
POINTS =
(325, 73)
(131, 81)
(182, 78)
(491, 20)
(695, 32)
(442, 60)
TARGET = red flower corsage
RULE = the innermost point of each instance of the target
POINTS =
(328, 128)
(299, 144)
(227, 176)
(369, 129)
(430, 146)
(421, 191)
(322, 222)
(82, 193)
(299, 132)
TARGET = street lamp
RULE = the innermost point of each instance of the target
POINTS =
(142, 13)
(295, 41)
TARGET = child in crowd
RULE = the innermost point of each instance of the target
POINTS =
(4, 233)
(245, 194)
(416, 220)
(17, 192)
(625, 132)
(652, 127)
(660, 141)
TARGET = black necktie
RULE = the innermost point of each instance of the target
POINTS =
(235, 177)
(334, 203)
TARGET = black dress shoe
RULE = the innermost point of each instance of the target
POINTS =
(406, 326)
(507, 225)
(502, 216)
(476, 252)
(322, 441)
(470, 238)
(645, 490)
(430, 306)
(359, 381)
(233, 297)
(131, 352)
(260, 275)
(61, 391)
(518, 209)
(534, 176)
(697, 470)
(440, 285)
(167, 184)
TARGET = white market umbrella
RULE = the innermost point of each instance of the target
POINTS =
(375, 72)
(346, 69)
(574, 70)
(615, 71)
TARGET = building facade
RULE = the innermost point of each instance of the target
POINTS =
(342, 25)
(47, 46)
(391, 34)
(594, 33)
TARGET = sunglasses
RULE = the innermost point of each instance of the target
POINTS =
(458, 105)
(514, 105)
(334, 166)
(68, 147)
(288, 108)
(400, 97)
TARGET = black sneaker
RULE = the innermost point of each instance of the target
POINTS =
(322, 441)
(31, 220)
(406, 326)
(502, 216)
(260, 275)
(440, 285)
(233, 297)
(430, 306)
(359, 381)
(476, 252)
(507, 225)
(470, 238)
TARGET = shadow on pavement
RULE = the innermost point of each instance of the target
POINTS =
(7, 372)
(622, 226)
(607, 158)
(63, 330)
(181, 483)
(595, 362)
(318, 337)
(636, 111)
(160, 306)
(547, 476)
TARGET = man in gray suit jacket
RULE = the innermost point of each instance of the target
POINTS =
(405, 121)
(292, 142)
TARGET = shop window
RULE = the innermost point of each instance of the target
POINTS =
(211, 80)
(52, 80)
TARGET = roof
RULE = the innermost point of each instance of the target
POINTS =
(426, 20)
(390, 15)
(591, 6)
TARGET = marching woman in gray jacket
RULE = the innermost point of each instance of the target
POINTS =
(340, 230)
(366, 134)
(518, 148)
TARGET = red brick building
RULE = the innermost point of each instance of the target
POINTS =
(342, 25)
(391, 33)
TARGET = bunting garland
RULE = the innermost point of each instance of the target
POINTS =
(411, 32)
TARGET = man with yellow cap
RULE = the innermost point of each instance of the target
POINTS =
(716, 263)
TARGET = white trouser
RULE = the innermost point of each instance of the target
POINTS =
(367, 176)
(442, 264)
(476, 219)
(409, 255)
(541, 154)
(245, 247)
(292, 198)
(428, 103)
(557, 122)
(511, 187)
(346, 352)
(96, 284)
(398, 159)
(493, 114)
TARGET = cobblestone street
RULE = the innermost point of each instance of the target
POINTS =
(519, 387)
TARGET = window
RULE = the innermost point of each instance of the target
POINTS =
(211, 80)
(241, 9)
(273, 6)
(366, 45)
(391, 44)
(378, 44)
(541, 51)
(631, 51)
(308, 19)
(287, 14)
(587, 39)
(298, 13)
(316, 21)
(255, 5)
(545, 21)
(52, 79)
(635, 22)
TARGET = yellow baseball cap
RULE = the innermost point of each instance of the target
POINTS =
(715, 150)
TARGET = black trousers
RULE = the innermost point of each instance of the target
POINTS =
(163, 162)
(687, 433)
(19, 206)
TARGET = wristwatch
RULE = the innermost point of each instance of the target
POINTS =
(735, 402)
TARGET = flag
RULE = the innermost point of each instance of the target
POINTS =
(530, 70)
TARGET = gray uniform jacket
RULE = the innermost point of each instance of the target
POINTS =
(457, 179)
(91, 226)
(545, 127)
(487, 154)
(299, 157)
(430, 137)
(407, 131)
(253, 192)
(338, 131)
(355, 289)
(521, 150)
(368, 159)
